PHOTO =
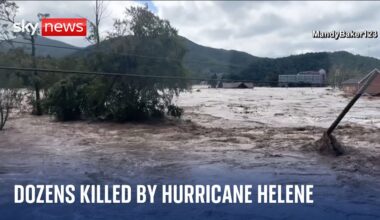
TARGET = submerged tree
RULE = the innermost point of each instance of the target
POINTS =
(141, 44)
(9, 99)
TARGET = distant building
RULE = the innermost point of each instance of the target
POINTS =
(235, 85)
(305, 78)
(351, 86)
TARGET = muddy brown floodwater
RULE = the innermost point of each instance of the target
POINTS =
(39, 150)
(260, 136)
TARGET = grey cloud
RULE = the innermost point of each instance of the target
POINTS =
(267, 23)
(261, 28)
(218, 33)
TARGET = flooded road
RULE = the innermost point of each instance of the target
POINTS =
(209, 146)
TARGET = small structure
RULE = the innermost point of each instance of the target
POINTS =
(235, 85)
(305, 78)
(351, 86)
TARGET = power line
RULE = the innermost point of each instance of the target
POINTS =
(125, 75)
(45, 45)
(131, 54)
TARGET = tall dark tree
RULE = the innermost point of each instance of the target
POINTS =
(31, 37)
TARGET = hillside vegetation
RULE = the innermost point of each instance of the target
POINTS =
(339, 66)
(202, 61)
(59, 50)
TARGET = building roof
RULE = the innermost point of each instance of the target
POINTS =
(352, 81)
(309, 73)
(369, 74)
(358, 80)
(237, 85)
(313, 72)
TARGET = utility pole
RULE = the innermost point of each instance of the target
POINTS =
(38, 108)
(361, 91)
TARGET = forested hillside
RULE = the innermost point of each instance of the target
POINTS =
(339, 66)
(202, 61)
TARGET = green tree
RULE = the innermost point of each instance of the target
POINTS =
(151, 48)
(31, 37)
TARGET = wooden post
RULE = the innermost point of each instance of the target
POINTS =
(38, 108)
(372, 76)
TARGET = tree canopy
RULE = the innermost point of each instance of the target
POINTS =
(125, 98)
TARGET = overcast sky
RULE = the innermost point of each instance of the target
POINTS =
(270, 29)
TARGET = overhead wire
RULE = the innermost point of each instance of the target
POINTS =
(124, 74)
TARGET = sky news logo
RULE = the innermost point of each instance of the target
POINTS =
(53, 27)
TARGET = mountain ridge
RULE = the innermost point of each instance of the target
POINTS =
(203, 61)
(20, 42)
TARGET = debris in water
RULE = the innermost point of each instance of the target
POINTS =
(328, 144)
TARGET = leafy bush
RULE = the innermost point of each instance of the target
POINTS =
(73, 98)
(123, 98)
(65, 99)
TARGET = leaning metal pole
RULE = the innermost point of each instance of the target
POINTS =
(361, 91)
